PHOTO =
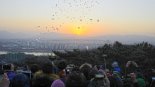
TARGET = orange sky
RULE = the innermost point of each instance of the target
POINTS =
(83, 17)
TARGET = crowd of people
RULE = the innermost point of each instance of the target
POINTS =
(63, 75)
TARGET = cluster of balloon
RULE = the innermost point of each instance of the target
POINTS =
(74, 11)
(71, 11)
(49, 28)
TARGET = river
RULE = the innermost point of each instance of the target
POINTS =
(31, 53)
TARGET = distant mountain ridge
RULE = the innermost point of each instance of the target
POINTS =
(128, 38)
(59, 36)
(15, 35)
(33, 35)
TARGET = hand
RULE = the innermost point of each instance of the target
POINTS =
(5, 81)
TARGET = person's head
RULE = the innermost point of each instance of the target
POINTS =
(8, 67)
(34, 68)
(47, 68)
(100, 74)
(99, 80)
(61, 68)
(133, 75)
(41, 81)
(20, 80)
(109, 74)
(92, 73)
(85, 69)
(58, 83)
(12, 67)
(76, 79)
(98, 67)
(75, 69)
(86, 65)
(62, 64)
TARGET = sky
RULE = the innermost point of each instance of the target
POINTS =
(79, 17)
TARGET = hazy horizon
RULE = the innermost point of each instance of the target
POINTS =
(59, 36)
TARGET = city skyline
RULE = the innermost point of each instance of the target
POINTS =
(79, 17)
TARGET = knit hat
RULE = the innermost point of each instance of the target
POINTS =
(58, 83)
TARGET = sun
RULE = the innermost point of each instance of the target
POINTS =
(79, 31)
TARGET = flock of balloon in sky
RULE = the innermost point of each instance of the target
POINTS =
(72, 11)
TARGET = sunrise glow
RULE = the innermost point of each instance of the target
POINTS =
(79, 17)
